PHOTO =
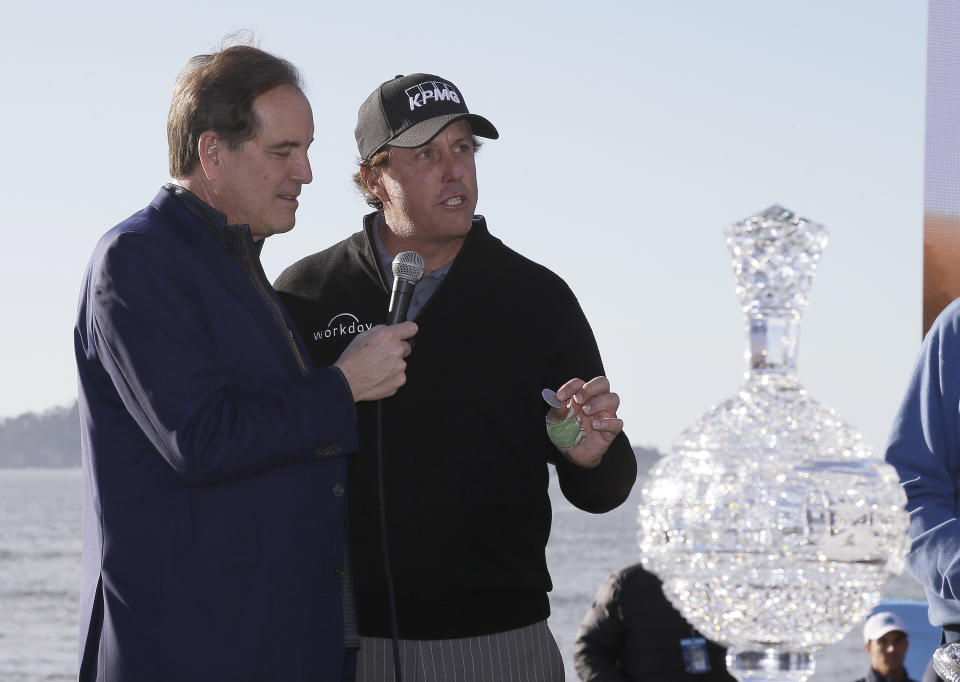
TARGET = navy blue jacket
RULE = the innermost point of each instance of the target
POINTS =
(213, 467)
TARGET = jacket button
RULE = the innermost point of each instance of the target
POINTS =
(328, 450)
(340, 572)
(338, 490)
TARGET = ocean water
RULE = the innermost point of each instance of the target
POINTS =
(40, 572)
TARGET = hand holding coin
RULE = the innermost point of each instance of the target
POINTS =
(566, 433)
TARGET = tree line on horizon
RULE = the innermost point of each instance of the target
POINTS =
(51, 440)
(48, 439)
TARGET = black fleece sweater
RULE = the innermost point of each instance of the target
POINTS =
(465, 450)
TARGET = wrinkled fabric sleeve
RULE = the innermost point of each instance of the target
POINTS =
(923, 447)
(606, 486)
(154, 341)
(600, 642)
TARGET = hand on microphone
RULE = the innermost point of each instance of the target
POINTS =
(596, 410)
(374, 363)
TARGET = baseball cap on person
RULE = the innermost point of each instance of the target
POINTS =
(408, 111)
(880, 624)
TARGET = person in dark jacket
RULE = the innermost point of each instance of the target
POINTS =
(885, 641)
(466, 444)
(212, 450)
(632, 633)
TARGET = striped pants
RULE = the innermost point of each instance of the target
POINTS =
(527, 654)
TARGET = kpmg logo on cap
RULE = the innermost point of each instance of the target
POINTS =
(436, 91)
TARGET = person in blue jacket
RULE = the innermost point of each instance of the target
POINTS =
(212, 450)
(924, 447)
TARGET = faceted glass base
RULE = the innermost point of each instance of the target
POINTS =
(771, 665)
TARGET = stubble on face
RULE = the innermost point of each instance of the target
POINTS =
(429, 194)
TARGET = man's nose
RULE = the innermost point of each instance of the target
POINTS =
(453, 167)
(302, 172)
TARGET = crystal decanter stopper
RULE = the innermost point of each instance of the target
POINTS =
(772, 526)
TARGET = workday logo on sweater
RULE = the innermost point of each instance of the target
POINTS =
(342, 324)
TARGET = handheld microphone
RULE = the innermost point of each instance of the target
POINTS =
(407, 270)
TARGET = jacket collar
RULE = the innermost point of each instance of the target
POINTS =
(371, 221)
(231, 237)
(874, 676)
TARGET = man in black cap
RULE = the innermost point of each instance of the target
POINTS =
(457, 461)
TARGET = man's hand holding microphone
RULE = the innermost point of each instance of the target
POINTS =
(373, 363)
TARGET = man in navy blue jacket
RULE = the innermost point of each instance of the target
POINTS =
(213, 451)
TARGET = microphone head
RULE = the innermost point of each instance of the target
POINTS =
(408, 265)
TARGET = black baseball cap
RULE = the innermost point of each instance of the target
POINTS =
(408, 111)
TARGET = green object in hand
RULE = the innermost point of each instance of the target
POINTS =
(564, 434)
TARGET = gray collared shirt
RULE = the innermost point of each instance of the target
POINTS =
(425, 287)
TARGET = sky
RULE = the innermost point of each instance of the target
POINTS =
(631, 134)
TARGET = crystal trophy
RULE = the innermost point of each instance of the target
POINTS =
(771, 524)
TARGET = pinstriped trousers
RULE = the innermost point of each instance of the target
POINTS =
(527, 654)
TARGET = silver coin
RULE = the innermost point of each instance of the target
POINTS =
(551, 398)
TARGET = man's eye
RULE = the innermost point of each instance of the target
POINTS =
(424, 154)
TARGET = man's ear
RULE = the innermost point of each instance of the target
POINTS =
(208, 147)
(371, 178)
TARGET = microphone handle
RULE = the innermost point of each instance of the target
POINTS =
(400, 300)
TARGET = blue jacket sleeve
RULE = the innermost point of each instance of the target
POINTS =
(217, 404)
(923, 447)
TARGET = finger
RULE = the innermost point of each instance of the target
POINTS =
(609, 426)
(405, 330)
(594, 387)
(569, 389)
(606, 402)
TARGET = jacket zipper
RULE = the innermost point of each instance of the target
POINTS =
(255, 271)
